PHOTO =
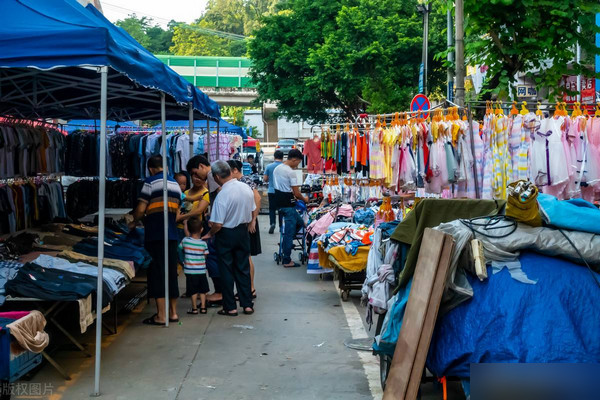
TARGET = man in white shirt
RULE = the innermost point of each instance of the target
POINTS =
(287, 191)
(231, 213)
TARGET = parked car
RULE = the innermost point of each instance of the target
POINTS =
(285, 145)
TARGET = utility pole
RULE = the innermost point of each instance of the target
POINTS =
(450, 42)
(460, 52)
(424, 7)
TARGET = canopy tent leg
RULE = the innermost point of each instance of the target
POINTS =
(163, 119)
(208, 139)
(191, 118)
(101, 209)
(218, 136)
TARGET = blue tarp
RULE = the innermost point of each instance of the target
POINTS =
(224, 126)
(58, 34)
(556, 320)
(76, 124)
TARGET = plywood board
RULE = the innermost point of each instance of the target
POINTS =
(430, 318)
(414, 316)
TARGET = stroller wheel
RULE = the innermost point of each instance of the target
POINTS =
(345, 295)
(276, 258)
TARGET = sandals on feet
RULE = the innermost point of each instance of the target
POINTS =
(227, 313)
(152, 321)
(193, 311)
(249, 312)
(203, 310)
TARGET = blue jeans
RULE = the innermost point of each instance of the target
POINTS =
(293, 223)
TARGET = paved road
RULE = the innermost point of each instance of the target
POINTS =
(291, 348)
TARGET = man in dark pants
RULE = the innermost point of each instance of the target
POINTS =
(150, 207)
(287, 191)
(231, 213)
(269, 178)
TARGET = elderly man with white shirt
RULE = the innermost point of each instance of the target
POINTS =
(231, 213)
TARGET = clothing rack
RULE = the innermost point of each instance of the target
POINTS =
(14, 120)
(37, 178)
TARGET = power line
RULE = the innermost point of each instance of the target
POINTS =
(208, 31)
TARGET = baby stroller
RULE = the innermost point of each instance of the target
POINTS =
(299, 242)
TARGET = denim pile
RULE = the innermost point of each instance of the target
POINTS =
(39, 282)
(117, 246)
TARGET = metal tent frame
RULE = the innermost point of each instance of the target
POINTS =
(72, 92)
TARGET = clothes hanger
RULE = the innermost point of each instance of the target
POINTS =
(539, 112)
(597, 113)
(513, 109)
(524, 110)
(557, 110)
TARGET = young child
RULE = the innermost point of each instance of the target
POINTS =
(181, 180)
(194, 251)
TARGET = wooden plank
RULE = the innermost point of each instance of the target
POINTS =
(414, 316)
(430, 318)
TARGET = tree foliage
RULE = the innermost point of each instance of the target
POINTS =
(240, 17)
(528, 36)
(154, 38)
(188, 41)
(353, 55)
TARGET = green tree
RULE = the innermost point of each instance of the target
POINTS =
(353, 55)
(239, 17)
(189, 41)
(527, 36)
(154, 38)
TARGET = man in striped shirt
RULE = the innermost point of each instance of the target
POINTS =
(150, 208)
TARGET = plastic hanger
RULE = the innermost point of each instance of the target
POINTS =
(557, 110)
(576, 111)
(524, 110)
(597, 113)
(538, 112)
(513, 109)
(499, 110)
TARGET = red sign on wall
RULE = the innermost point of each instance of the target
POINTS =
(588, 89)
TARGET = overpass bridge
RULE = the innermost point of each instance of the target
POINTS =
(224, 79)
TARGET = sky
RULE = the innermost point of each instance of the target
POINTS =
(161, 11)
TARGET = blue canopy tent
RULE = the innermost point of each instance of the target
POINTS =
(76, 124)
(61, 60)
(224, 126)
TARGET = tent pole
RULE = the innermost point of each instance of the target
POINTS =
(163, 119)
(470, 118)
(208, 139)
(191, 117)
(218, 136)
(101, 205)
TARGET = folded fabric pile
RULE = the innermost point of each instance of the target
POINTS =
(8, 270)
(54, 284)
(118, 248)
(113, 279)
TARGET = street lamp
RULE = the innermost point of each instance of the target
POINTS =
(425, 8)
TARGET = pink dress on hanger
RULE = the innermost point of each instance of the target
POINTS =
(514, 144)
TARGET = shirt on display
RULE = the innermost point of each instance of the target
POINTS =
(312, 151)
